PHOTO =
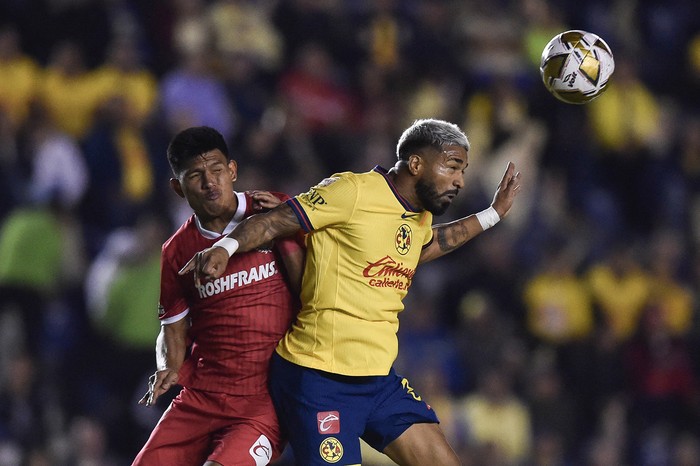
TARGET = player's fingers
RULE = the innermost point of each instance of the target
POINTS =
(507, 175)
(144, 399)
(197, 267)
(188, 266)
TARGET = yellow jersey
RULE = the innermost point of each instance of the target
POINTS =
(363, 247)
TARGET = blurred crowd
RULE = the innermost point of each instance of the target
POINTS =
(566, 336)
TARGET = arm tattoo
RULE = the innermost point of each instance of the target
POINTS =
(261, 228)
(450, 236)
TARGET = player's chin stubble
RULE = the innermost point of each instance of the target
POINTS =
(430, 199)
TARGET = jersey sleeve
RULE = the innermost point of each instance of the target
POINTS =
(172, 305)
(330, 202)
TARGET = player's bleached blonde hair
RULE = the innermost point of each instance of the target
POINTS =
(429, 132)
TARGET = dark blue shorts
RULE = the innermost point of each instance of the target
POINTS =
(325, 415)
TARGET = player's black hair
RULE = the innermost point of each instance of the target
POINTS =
(194, 141)
(429, 133)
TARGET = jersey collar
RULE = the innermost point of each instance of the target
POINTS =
(237, 217)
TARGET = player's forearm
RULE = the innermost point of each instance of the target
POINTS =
(260, 229)
(449, 236)
(171, 346)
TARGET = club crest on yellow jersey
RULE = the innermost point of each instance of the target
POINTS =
(404, 237)
(331, 450)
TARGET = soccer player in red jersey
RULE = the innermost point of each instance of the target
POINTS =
(216, 338)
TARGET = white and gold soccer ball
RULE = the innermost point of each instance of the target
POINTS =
(576, 66)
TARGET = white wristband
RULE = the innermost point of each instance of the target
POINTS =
(488, 218)
(229, 244)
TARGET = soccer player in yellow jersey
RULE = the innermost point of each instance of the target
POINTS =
(332, 378)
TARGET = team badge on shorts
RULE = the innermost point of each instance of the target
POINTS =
(328, 422)
(261, 451)
(331, 450)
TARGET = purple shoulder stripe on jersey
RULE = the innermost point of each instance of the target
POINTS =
(406, 205)
(301, 215)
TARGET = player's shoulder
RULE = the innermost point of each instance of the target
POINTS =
(177, 237)
(342, 178)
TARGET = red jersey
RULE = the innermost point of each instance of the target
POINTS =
(237, 319)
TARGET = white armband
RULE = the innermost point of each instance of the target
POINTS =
(488, 218)
(229, 244)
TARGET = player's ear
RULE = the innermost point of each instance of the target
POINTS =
(175, 185)
(233, 168)
(415, 164)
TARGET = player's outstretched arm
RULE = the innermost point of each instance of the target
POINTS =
(171, 347)
(252, 232)
(449, 236)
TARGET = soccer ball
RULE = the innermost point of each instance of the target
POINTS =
(576, 66)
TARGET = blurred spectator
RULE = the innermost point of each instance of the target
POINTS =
(548, 450)
(627, 127)
(499, 123)
(125, 327)
(40, 261)
(69, 92)
(552, 412)
(686, 450)
(124, 170)
(123, 75)
(244, 28)
(431, 348)
(489, 39)
(23, 415)
(692, 74)
(559, 308)
(19, 78)
(671, 297)
(315, 91)
(608, 444)
(689, 156)
(497, 418)
(620, 289)
(300, 22)
(543, 21)
(662, 384)
(384, 34)
(89, 444)
(58, 169)
(193, 94)
(482, 335)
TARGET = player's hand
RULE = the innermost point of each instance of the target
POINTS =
(208, 264)
(158, 383)
(264, 200)
(508, 188)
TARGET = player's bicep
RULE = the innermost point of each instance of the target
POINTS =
(430, 251)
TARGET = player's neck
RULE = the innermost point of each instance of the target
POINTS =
(404, 185)
(216, 224)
